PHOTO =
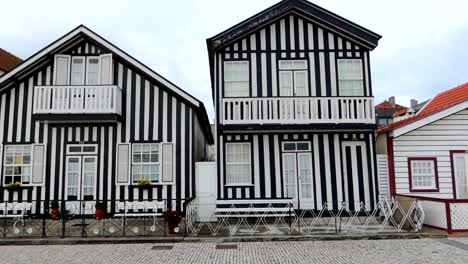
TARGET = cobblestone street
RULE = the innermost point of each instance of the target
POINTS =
(376, 251)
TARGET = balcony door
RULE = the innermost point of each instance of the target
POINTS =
(460, 167)
(81, 178)
(297, 174)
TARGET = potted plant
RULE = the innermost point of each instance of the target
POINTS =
(144, 183)
(55, 212)
(100, 210)
(13, 186)
(173, 219)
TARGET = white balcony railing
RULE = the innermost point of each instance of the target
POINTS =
(298, 110)
(78, 100)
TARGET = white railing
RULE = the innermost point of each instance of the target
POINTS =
(78, 100)
(298, 110)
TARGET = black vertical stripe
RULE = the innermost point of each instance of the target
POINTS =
(287, 33)
(151, 111)
(359, 153)
(259, 65)
(327, 64)
(178, 178)
(124, 103)
(296, 35)
(261, 164)
(349, 172)
(143, 115)
(100, 146)
(331, 147)
(318, 84)
(271, 143)
(160, 113)
(7, 117)
(113, 166)
(132, 110)
(314, 175)
(58, 142)
(188, 161)
(24, 111)
(106, 163)
(323, 178)
(169, 118)
(48, 167)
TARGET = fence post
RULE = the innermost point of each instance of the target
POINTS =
(64, 217)
(125, 218)
(289, 218)
(43, 219)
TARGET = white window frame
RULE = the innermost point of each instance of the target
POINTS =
(416, 183)
(309, 149)
(353, 80)
(292, 68)
(83, 70)
(30, 165)
(82, 146)
(68, 57)
(98, 81)
(159, 163)
(248, 180)
(245, 82)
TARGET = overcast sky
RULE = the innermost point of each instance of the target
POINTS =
(422, 52)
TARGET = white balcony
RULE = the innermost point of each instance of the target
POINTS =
(105, 99)
(298, 110)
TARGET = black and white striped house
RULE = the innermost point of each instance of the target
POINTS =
(83, 120)
(294, 108)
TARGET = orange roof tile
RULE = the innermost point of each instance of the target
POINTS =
(8, 61)
(385, 105)
(439, 103)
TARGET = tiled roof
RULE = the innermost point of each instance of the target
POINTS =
(441, 102)
(8, 61)
(386, 109)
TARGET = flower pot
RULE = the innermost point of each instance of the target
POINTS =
(100, 213)
(55, 214)
(173, 227)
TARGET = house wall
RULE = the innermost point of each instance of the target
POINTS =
(434, 140)
(381, 144)
(333, 181)
(1, 72)
(151, 113)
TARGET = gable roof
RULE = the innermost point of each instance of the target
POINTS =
(347, 28)
(386, 109)
(11, 76)
(438, 104)
(8, 61)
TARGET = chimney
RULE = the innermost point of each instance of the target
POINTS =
(391, 100)
(414, 103)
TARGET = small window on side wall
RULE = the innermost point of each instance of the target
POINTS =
(350, 77)
(236, 79)
(423, 174)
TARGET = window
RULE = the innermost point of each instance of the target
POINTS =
(385, 120)
(92, 68)
(350, 77)
(293, 78)
(423, 174)
(296, 146)
(236, 78)
(238, 165)
(146, 162)
(17, 164)
(77, 71)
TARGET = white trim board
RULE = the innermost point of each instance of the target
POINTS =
(112, 48)
(429, 119)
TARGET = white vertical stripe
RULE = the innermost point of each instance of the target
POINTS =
(253, 61)
(256, 166)
(61, 176)
(10, 118)
(53, 158)
(2, 118)
(253, 43)
(263, 39)
(334, 90)
(45, 141)
(339, 184)
(78, 134)
(247, 193)
(221, 165)
(367, 74)
(374, 177)
(365, 175)
(129, 105)
(190, 138)
(355, 175)
(291, 33)
(313, 85)
(266, 165)
(70, 135)
(101, 161)
(95, 134)
(174, 139)
(340, 43)
(310, 36)
(86, 48)
(137, 106)
(320, 39)
(118, 140)
(273, 36)
(326, 155)
(229, 190)
(147, 111)
(318, 184)
(323, 80)
(86, 134)
(274, 85)
(300, 24)
(29, 109)
(156, 114)
(244, 44)
(283, 34)
(331, 41)
(164, 121)
(264, 75)
(20, 112)
(109, 162)
(277, 167)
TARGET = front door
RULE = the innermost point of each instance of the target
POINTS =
(81, 179)
(460, 167)
(297, 174)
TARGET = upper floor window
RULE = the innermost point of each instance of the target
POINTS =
(81, 70)
(423, 174)
(293, 78)
(238, 164)
(350, 77)
(236, 79)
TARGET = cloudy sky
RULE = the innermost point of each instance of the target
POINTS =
(422, 52)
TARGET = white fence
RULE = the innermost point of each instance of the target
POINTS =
(298, 110)
(77, 100)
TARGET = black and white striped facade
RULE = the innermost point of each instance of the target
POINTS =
(153, 111)
(343, 158)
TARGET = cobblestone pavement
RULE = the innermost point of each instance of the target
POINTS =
(376, 251)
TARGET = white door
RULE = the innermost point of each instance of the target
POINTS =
(297, 175)
(81, 175)
(460, 166)
(205, 174)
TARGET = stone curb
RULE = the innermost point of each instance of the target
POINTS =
(172, 240)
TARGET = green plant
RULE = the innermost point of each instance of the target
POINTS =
(13, 185)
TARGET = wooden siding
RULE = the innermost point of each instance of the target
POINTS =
(151, 113)
(434, 140)
(328, 152)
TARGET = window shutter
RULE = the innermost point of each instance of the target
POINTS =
(123, 164)
(300, 83)
(285, 79)
(167, 162)
(106, 69)
(38, 164)
(62, 70)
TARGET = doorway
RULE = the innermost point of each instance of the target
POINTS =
(460, 168)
